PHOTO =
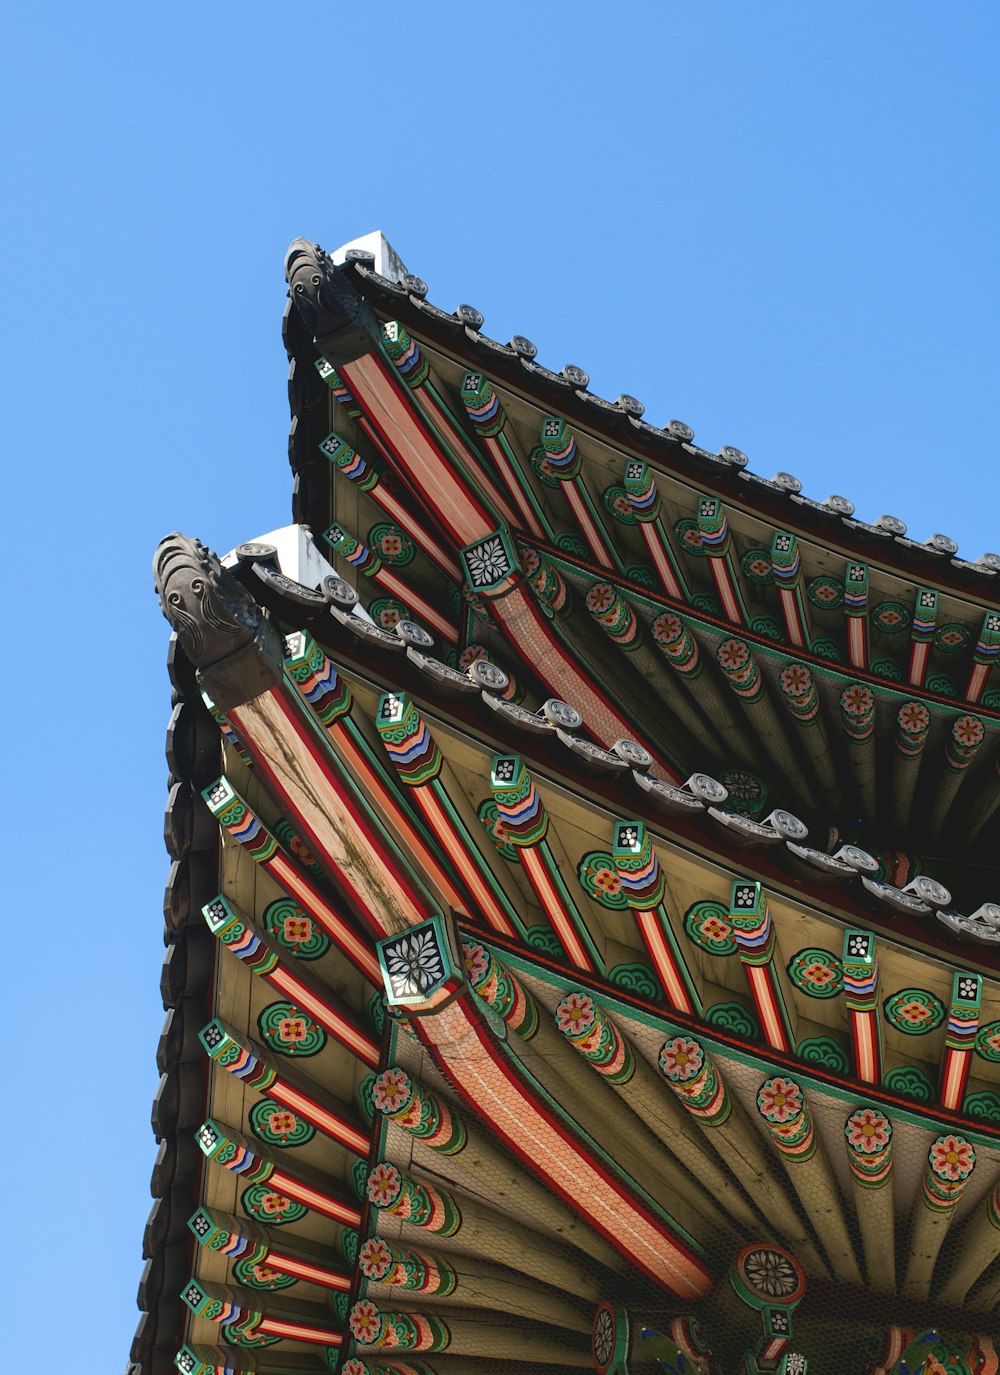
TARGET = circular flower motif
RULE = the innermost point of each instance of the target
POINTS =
(599, 878)
(291, 1030)
(968, 731)
(477, 962)
(913, 718)
(375, 1258)
(297, 929)
(825, 592)
(733, 655)
(988, 1041)
(355, 1367)
(816, 973)
(690, 537)
(756, 564)
(744, 787)
(952, 1158)
(868, 1131)
(414, 963)
(890, 617)
(366, 1322)
(914, 1011)
(601, 597)
(681, 1059)
(796, 680)
(576, 1014)
(779, 1100)
(385, 1184)
(705, 924)
(771, 1273)
(667, 627)
(604, 1337)
(391, 1090)
(274, 1204)
(857, 700)
(950, 639)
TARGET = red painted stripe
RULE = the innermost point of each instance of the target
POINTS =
(441, 421)
(327, 1122)
(464, 517)
(346, 938)
(977, 681)
(654, 546)
(329, 1279)
(759, 977)
(506, 471)
(490, 1083)
(312, 1198)
(441, 825)
(422, 610)
(596, 538)
(562, 920)
(664, 962)
(339, 1027)
(856, 638)
(725, 589)
(793, 622)
(301, 1332)
(918, 663)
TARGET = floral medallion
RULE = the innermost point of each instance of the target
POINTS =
(914, 1011)
(599, 879)
(988, 1042)
(890, 617)
(617, 504)
(289, 1031)
(257, 1275)
(279, 1126)
(756, 564)
(681, 1059)
(392, 544)
(952, 639)
(826, 593)
(387, 612)
(271, 1207)
(492, 820)
(817, 973)
(707, 925)
(689, 537)
(295, 930)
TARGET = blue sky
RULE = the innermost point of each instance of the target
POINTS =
(774, 222)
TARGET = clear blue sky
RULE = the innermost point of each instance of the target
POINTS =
(775, 222)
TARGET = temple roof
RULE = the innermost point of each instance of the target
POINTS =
(565, 971)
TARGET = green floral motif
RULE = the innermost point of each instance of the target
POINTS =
(747, 792)
(643, 575)
(768, 627)
(817, 973)
(599, 880)
(543, 938)
(376, 1011)
(890, 617)
(910, 1082)
(234, 1335)
(359, 1177)
(734, 1017)
(988, 1042)
(826, 593)
(689, 537)
(827, 649)
(704, 601)
(279, 1126)
(941, 684)
(364, 1096)
(617, 504)
(542, 468)
(572, 544)
(295, 930)
(756, 564)
(707, 925)
(490, 817)
(332, 1355)
(952, 638)
(297, 847)
(289, 1031)
(340, 1303)
(991, 699)
(821, 1050)
(350, 1242)
(887, 668)
(985, 1106)
(267, 1205)
(388, 612)
(914, 1011)
(256, 1275)
(637, 978)
(391, 544)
